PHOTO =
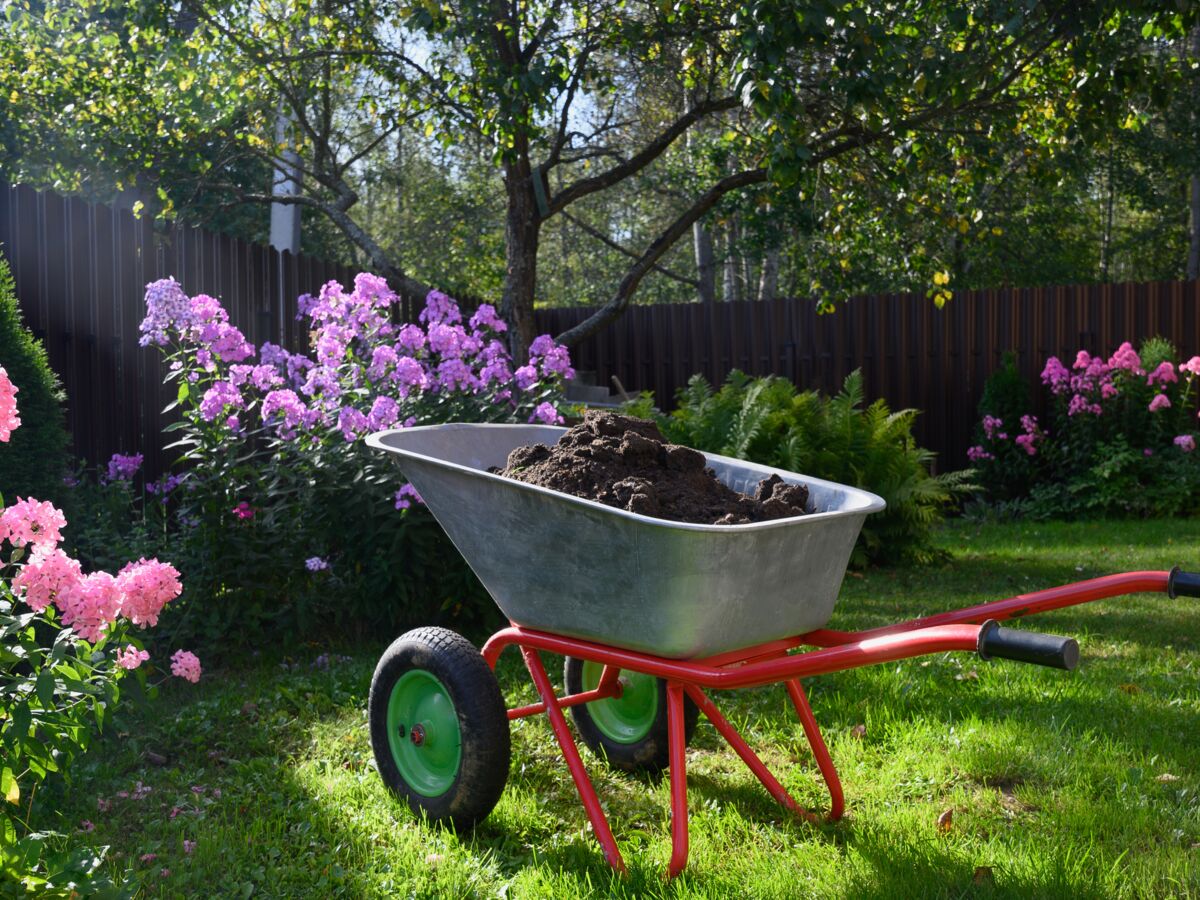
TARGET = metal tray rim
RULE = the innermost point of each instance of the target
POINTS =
(871, 503)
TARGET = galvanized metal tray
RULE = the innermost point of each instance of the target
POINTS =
(575, 567)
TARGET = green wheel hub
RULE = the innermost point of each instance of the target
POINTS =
(629, 718)
(423, 733)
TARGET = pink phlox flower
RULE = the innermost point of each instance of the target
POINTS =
(228, 343)
(146, 587)
(485, 317)
(1056, 375)
(1080, 404)
(406, 496)
(244, 510)
(131, 657)
(48, 573)
(383, 414)
(525, 377)
(1027, 443)
(1108, 390)
(186, 665)
(123, 468)
(284, 410)
(218, 398)
(439, 308)
(977, 454)
(548, 414)
(1147, 452)
(1192, 366)
(1185, 442)
(30, 521)
(167, 309)
(991, 424)
(1160, 401)
(352, 423)
(9, 420)
(1126, 358)
(90, 605)
(1164, 374)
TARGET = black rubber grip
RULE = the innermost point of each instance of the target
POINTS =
(1183, 584)
(1051, 650)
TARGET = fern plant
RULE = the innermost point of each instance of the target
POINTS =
(766, 420)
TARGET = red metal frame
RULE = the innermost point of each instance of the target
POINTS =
(764, 664)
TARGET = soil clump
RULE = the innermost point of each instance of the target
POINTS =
(625, 462)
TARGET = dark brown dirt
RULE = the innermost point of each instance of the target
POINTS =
(627, 463)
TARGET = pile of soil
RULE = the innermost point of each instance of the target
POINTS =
(627, 463)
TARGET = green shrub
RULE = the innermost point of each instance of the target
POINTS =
(33, 463)
(767, 421)
(1005, 400)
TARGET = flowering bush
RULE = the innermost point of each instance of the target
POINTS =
(1119, 439)
(282, 517)
(61, 653)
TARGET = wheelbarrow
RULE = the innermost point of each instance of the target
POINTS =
(650, 616)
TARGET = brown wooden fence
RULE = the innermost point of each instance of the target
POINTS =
(911, 353)
(81, 270)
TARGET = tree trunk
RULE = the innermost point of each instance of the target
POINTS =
(521, 228)
(1106, 238)
(768, 284)
(1193, 263)
(706, 268)
(731, 285)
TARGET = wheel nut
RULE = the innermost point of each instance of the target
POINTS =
(417, 735)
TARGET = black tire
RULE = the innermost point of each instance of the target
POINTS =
(462, 796)
(650, 753)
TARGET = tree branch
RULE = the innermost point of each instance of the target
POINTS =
(661, 244)
(609, 242)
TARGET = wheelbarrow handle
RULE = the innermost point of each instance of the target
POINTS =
(1183, 584)
(1051, 650)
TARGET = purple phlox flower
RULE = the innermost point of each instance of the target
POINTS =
(1164, 374)
(1160, 401)
(122, 467)
(557, 361)
(227, 342)
(411, 338)
(221, 395)
(409, 374)
(454, 374)
(1185, 442)
(352, 423)
(332, 342)
(263, 377)
(373, 288)
(977, 453)
(167, 309)
(322, 380)
(315, 564)
(204, 359)
(496, 370)
(381, 359)
(485, 317)
(439, 308)
(409, 422)
(541, 345)
(165, 486)
(1147, 452)
(446, 339)
(383, 414)
(525, 377)
(991, 425)
(406, 496)
(547, 413)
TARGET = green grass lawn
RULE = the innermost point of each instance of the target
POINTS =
(1061, 784)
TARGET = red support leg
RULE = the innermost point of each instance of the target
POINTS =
(748, 756)
(677, 740)
(837, 804)
(566, 743)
